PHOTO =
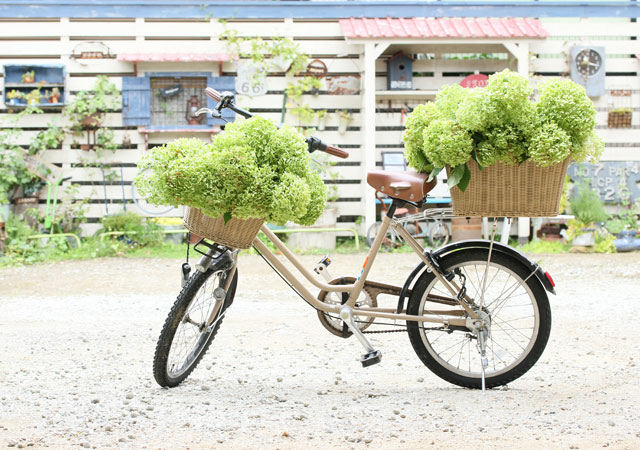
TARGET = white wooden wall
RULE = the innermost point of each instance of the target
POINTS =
(52, 41)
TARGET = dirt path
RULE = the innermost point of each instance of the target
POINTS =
(77, 342)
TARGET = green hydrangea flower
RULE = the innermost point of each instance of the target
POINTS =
(566, 103)
(446, 143)
(251, 170)
(448, 99)
(590, 150)
(550, 146)
(417, 121)
(509, 94)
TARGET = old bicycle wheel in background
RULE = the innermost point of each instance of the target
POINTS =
(185, 338)
(389, 240)
(439, 234)
(515, 303)
(146, 207)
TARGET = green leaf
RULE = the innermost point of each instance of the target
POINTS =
(434, 173)
(227, 217)
(464, 181)
(456, 175)
(474, 155)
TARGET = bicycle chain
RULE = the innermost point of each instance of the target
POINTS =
(400, 331)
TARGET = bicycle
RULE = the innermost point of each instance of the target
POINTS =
(477, 294)
(418, 225)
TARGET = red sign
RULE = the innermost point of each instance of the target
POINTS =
(474, 81)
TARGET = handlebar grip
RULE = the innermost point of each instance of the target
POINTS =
(212, 93)
(336, 151)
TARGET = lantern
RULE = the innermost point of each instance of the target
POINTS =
(193, 105)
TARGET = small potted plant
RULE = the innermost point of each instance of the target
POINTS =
(619, 118)
(34, 97)
(29, 76)
(588, 210)
(343, 122)
(321, 116)
(87, 108)
(54, 95)
(15, 97)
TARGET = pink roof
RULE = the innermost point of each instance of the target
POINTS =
(421, 27)
(173, 57)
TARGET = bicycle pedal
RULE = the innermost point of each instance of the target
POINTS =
(371, 358)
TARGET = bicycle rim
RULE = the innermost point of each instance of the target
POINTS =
(515, 322)
(191, 335)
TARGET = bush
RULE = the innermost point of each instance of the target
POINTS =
(141, 231)
(251, 170)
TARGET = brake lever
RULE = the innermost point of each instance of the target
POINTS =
(213, 112)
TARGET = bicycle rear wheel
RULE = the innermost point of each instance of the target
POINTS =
(185, 338)
(517, 307)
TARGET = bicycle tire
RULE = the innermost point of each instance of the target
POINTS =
(162, 363)
(435, 347)
(388, 242)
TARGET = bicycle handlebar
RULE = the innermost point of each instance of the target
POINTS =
(213, 94)
(226, 100)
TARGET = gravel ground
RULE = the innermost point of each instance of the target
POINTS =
(77, 342)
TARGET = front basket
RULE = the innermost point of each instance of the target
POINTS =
(509, 190)
(236, 233)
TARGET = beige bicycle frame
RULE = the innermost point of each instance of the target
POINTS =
(450, 317)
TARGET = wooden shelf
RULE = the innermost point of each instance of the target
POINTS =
(33, 85)
(405, 94)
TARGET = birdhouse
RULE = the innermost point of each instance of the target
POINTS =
(399, 72)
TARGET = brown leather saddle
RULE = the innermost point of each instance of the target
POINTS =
(407, 185)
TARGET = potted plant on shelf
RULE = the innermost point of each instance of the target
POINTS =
(15, 97)
(252, 172)
(344, 119)
(29, 76)
(87, 108)
(619, 118)
(508, 153)
(34, 97)
(54, 95)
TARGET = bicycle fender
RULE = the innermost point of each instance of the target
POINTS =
(477, 243)
(502, 248)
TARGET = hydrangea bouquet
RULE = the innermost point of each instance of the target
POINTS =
(253, 170)
(500, 123)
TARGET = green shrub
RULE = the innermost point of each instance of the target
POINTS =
(586, 205)
(142, 232)
(251, 170)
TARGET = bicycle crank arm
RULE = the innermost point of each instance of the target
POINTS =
(372, 356)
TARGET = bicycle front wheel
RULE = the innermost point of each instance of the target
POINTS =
(518, 311)
(185, 337)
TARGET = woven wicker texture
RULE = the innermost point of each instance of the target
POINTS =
(505, 190)
(236, 233)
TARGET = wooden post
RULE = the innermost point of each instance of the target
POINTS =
(368, 120)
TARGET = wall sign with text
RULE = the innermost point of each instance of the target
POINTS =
(607, 177)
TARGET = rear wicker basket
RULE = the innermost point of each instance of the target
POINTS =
(236, 233)
(502, 190)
